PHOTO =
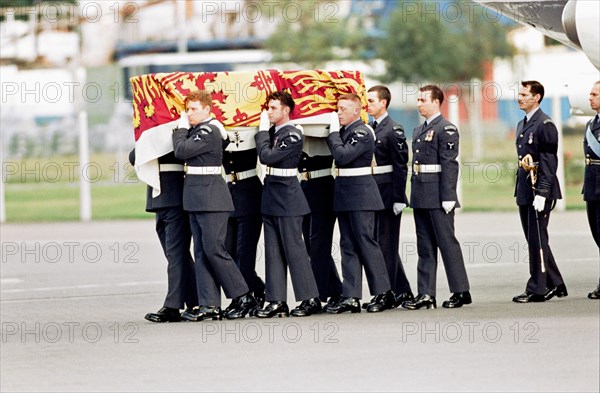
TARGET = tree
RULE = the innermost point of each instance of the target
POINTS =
(440, 41)
(30, 3)
(314, 34)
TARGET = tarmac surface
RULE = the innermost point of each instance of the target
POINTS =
(73, 297)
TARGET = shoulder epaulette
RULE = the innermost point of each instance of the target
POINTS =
(207, 128)
(548, 121)
(360, 132)
(450, 127)
(295, 137)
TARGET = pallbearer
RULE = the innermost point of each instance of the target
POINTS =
(205, 196)
(283, 207)
(356, 199)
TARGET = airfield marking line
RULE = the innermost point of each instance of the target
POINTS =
(11, 280)
(85, 286)
(77, 297)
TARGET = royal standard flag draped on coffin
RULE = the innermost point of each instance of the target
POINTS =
(238, 99)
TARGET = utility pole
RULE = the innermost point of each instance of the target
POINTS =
(79, 76)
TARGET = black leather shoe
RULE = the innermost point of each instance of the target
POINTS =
(419, 302)
(529, 297)
(375, 299)
(231, 306)
(558, 291)
(188, 310)
(403, 297)
(308, 307)
(201, 313)
(259, 296)
(366, 304)
(333, 300)
(595, 294)
(383, 301)
(458, 300)
(279, 309)
(351, 304)
(165, 314)
(243, 305)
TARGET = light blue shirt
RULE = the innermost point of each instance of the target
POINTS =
(430, 119)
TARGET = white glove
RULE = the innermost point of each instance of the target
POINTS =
(398, 207)
(219, 125)
(334, 123)
(539, 202)
(448, 206)
(184, 120)
(265, 124)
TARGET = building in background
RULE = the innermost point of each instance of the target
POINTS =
(115, 40)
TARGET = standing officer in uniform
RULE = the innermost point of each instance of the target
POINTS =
(537, 138)
(389, 172)
(245, 223)
(433, 198)
(173, 230)
(283, 208)
(356, 199)
(591, 186)
(206, 198)
(317, 185)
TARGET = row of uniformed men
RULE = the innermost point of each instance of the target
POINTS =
(299, 218)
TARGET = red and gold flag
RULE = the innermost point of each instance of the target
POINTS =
(238, 99)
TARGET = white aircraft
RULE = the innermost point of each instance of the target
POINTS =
(575, 23)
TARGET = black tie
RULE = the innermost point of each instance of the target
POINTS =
(375, 124)
(596, 120)
(524, 121)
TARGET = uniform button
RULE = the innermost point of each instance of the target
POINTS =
(521, 136)
(231, 162)
(520, 157)
(587, 155)
(418, 140)
(519, 146)
(416, 151)
(304, 158)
